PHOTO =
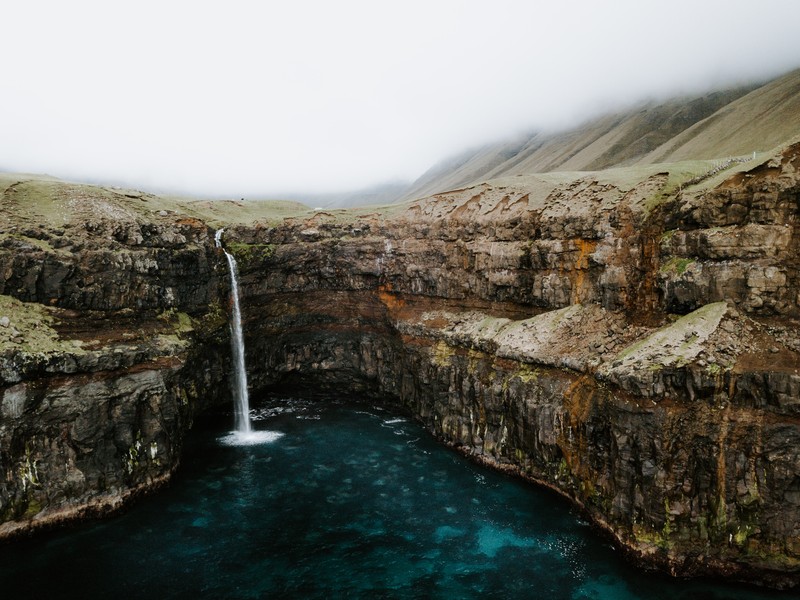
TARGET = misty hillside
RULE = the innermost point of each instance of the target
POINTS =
(726, 123)
(386, 193)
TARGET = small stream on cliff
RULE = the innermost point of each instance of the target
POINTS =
(351, 501)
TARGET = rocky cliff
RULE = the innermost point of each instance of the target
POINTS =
(628, 341)
(101, 371)
(627, 338)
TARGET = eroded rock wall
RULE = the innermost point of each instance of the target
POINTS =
(628, 342)
(112, 337)
(706, 483)
(84, 430)
(559, 337)
(737, 242)
(90, 248)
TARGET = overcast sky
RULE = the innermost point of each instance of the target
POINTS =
(239, 98)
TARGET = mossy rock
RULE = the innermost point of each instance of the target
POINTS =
(27, 327)
(677, 265)
(249, 254)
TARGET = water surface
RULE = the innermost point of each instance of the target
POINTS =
(350, 501)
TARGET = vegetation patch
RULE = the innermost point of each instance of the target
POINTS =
(27, 327)
(646, 536)
(181, 322)
(526, 373)
(713, 369)
(24, 242)
(223, 213)
(248, 254)
(677, 265)
(442, 354)
(214, 318)
(678, 343)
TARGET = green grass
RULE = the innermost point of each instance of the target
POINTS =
(221, 213)
(677, 265)
(541, 185)
(247, 254)
(677, 343)
(33, 322)
(28, 200)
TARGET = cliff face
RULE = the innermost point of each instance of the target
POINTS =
(626, 338)
(88, 248)
(85, 427)
(101, 372)
(631, 345)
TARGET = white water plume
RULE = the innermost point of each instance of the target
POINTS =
(243, 435)
(249, 438)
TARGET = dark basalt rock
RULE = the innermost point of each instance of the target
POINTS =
(633, 347)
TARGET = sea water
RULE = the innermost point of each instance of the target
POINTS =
(343, 499)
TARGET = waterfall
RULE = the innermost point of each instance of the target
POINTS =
(241, 400)
(243, 433)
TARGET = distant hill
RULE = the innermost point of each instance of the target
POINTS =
(726, 123)
(386, 193)
(720, 124)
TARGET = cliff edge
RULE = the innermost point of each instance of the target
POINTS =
(626, 337)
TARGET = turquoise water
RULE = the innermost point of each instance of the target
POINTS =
(350, 501)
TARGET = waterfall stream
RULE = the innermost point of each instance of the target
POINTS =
(243, 432)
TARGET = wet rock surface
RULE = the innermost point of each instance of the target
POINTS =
(629, 342)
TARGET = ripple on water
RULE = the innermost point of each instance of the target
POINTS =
(249, 438)
(493, 539)
(446, 532)
(604, 587)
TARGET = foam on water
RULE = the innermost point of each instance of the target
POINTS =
(249, 438)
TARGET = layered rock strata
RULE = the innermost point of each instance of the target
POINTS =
(634, 348)
(620, 337)
(101, 372)
(87, 424)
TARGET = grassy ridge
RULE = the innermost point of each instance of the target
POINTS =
(718, 125)
(34, 201)
(29, 202)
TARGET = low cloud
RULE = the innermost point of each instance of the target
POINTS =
(244, 99)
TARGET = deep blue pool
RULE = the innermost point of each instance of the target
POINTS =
(350, 501)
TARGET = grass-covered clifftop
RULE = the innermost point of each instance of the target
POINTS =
(40, 201)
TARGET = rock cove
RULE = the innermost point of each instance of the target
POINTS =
(627, 337)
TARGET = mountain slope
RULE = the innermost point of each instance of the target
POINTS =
(718, 124)
(759, 121)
